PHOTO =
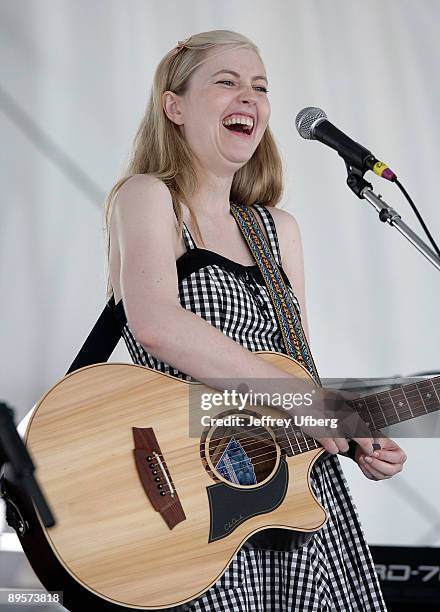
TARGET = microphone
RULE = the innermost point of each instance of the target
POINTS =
(312, 124)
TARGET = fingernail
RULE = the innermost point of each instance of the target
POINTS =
(361, 458)
(376, 454)
(368, 459)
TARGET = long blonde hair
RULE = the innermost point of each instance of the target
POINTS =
(159, 148)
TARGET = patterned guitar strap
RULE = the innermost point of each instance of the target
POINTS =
(294, 338)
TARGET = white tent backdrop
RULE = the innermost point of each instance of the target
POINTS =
(75, 77)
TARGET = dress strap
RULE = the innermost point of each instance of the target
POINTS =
(269, 225)
(187, 238)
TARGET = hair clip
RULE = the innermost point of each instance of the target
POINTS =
(180, 45)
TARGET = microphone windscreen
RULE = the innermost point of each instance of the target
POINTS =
(306, 119)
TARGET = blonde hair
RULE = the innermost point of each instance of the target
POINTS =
(159, 149)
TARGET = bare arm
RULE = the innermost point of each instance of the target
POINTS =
(145, 223)
(145, 230)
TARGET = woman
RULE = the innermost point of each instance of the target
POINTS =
(205, 315)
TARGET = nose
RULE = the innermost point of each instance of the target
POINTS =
(248, 94)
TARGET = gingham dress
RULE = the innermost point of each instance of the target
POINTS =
(334, 570)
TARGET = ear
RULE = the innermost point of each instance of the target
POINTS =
(172, 106)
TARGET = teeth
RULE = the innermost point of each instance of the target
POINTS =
(243, 120)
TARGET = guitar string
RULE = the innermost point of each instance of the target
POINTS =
(174, 482)
(350, 402)
(299, 435)
(180, 480)
(265, 454)
(364, 407)
(300, 438)
(298, 449)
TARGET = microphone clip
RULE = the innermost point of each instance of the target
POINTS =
(356, 181)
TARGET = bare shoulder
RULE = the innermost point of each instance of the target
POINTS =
(289, 239)
(140, 188)
(142, 203)
(143, 181)
(285, 223)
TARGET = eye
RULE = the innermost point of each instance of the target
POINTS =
(258, 88)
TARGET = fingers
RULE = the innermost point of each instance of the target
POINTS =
(365, 472)
(392, 456)
(378, 468)
(366, 444)
(334, 445)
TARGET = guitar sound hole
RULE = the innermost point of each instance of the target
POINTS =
(243, 456)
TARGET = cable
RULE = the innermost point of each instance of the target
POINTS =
(416, 212)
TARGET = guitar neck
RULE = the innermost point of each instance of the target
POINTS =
(398, 405)
(379, 410)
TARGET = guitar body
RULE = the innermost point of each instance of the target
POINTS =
(117, 545)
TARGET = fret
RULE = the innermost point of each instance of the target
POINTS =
(306, 442)
(360, 405)
(418, 386)
(300, 443)
(402, 390)
(429, 395)
(294, 442)
(282, 438)
(297, 442)
(434, 386)
(377, 417)
(401, 405)
(427, 392)
(289, 440)
(311, 443)
(388, 408)
(383, 409)
(303, 442)
(370, 419)
(414, 399)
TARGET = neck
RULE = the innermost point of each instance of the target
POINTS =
(211, 198)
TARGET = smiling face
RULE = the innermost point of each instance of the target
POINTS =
(229, 84)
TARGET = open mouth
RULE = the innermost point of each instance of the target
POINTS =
(241, 127)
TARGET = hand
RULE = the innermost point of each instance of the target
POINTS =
(350, 425)
(329, 418)
(383, 463)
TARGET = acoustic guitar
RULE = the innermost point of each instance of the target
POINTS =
(148, 516)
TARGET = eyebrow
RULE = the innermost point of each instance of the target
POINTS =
(237, 75)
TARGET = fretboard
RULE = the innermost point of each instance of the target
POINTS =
(402, 404)
(379, 410)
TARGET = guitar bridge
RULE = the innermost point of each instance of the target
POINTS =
(155, 476)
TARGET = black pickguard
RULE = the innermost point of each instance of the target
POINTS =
(229, 506)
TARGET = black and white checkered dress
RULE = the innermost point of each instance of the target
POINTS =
(334, 570)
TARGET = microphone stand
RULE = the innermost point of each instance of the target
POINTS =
(387, 214)
(13, 450)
